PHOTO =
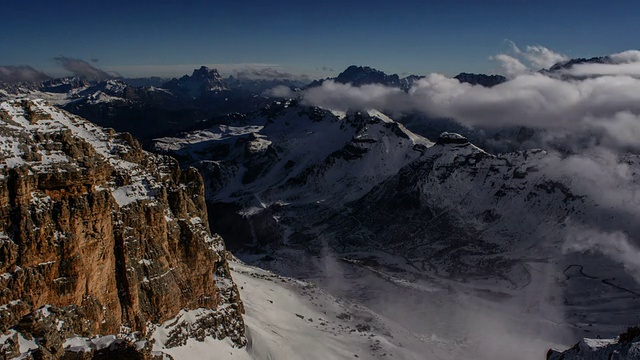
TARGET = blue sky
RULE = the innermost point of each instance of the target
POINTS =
(139, 37)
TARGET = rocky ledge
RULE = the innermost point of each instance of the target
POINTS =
(101, 242)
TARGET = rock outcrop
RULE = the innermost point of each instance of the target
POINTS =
(625, 347)
(100, 237)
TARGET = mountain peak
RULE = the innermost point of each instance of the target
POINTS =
(206, 71)
(203, 81)
(365, 75)
(564, 65)
(480, 79)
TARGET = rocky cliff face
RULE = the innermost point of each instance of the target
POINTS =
(299, 183)
(100, 237)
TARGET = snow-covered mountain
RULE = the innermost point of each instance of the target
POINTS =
(440, 238)
(145, 111)
(290, 155)
(105, 251)
(445, 226)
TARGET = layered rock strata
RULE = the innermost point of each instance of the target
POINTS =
(100, 237)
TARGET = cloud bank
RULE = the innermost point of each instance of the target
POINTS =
(531, 59)
(601, 109)
(538, 56)
(21, 73)
(614, 245)
(280, 91)
(624, 63)
(269, 73)
(607, 106)
(83, 69)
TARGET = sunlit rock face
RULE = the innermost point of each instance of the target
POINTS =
(100, 237)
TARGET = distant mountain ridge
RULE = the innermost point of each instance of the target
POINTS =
(147, 111)
(202, 82)
(480, 79)
(365, 75)
(564, 65)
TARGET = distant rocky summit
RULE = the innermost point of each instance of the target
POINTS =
(365, 75)
(101, 242)
(203, 81)
(480, 79)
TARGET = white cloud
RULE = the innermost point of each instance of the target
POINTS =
(590, 70)
(337, 96)
(629, 56)
(608, 180)
(541, 57)
(281, 91)
(510, 65)
(605, 105)
(614, 245)
(176, 70)
(622, 129)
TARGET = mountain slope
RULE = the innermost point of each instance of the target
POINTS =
(290, 156)
(624, 347)
(144, 111)
(291, 319)
(98, 237)
(364, 208)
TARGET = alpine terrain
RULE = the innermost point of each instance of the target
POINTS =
(346, 233)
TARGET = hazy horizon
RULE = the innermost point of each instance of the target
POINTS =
(170, 38)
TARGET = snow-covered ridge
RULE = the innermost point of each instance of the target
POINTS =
(289, 143)
(62, 92)
(24, 122)
(291, 319)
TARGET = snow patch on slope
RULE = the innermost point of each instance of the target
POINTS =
(291, 319)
